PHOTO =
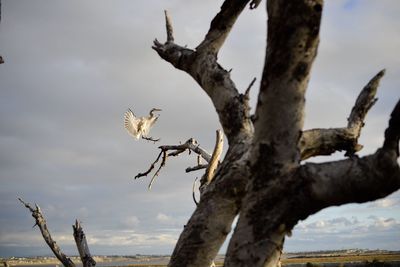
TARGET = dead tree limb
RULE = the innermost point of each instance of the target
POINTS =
(41, 223)
(371, 177)
(201, 63)
(175, 150)
(81, 244)
(316, 142)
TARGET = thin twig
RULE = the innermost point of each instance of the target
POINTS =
(175, 150)
(164, 159)
(149, 138)
(151, 167)
(196, 168)
(193, 192)
(247, 92)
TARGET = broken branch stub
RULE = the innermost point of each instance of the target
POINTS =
(81, 244)
(214, 161)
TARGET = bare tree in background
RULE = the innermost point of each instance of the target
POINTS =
(261, 178)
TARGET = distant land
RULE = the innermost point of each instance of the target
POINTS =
(331, 258)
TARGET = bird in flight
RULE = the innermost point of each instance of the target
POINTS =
(140, 127)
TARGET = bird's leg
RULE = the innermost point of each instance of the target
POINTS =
(149, 138)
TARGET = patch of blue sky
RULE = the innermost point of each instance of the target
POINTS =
(351, 4)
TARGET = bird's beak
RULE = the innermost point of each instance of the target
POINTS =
(157, 109)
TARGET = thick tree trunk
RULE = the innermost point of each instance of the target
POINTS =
(261, 177)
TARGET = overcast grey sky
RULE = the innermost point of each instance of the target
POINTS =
(71, 70)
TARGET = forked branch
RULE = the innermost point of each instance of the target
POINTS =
(358, 179)
(201, 63)
(317, 142)
(175, 150)
(41, 223)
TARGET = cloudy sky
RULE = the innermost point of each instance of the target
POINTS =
(73, 68)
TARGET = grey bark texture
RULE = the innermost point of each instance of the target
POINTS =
(261, 179)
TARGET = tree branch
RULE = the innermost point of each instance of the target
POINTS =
(358, 179)
(232, 110)
(221, 25)
(41, 222)
(352, 180)
(196, 168)
(317, 142)
(83, 248)
(190, 145)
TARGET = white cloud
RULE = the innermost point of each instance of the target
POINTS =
(385, 203)
(342, 232)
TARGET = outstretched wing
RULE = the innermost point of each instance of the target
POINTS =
(131, 123)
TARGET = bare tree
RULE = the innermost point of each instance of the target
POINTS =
(261, 178)
(79, 236)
